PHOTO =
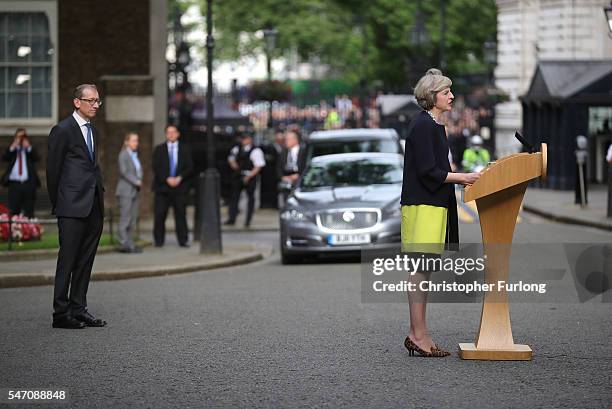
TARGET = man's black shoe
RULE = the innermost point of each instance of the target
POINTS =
(68, 323)
(89, 319)
(185, 245)
(124, 250)
(229, 223)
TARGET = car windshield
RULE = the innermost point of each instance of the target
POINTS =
(333, 147)
(353, 173)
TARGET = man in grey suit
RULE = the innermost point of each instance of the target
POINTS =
(128, 192)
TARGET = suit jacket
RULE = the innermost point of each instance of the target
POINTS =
(161, 168)
(127, 185)
(426, 167)
(72, 177)
(282, 161)
(31, 159)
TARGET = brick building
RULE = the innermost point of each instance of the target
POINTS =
(49, 46)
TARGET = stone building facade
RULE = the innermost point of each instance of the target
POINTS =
(530, 31)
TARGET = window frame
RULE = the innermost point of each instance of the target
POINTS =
(49, 7)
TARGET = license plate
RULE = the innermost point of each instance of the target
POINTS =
(348, 239)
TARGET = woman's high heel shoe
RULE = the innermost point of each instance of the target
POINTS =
(435, 351)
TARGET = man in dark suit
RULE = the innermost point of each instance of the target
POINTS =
(75, 186)
(291, 163)
(172, 168)
(20, 177)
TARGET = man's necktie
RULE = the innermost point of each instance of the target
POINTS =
(90, 141)
(19, 161)
(172, 164)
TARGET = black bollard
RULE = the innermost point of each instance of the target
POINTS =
(210, 227)
(609, 189)
(197, 222)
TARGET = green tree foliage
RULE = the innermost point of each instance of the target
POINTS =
(370, 39)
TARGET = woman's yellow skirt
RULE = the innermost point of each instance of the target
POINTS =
(423, 229)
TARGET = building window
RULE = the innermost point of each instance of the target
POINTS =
(26, 65)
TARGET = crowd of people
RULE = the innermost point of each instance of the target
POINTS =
(462, 124)
(343, 112)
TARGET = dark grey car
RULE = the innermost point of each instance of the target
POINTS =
(342, 203)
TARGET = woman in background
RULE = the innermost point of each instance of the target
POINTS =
(128, 192)
(428, 204)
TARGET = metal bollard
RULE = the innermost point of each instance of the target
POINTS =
(110, 224)
(10, 234)
(210, 218)
(197, 219)
(609, 189)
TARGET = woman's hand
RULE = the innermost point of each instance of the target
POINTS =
(469, 178)
(464, 179)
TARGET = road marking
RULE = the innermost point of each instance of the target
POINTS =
(464, 216)
(468, 212)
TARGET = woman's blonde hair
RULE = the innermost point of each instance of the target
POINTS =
(428, 86)
(127, 137)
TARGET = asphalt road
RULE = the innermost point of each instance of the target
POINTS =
(267, 335)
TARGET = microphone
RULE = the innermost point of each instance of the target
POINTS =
(523, 141)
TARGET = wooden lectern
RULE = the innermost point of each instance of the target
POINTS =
(499, 193)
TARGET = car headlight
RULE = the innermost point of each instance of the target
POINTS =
(293, 214)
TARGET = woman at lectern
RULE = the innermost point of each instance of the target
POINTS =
(428, 204)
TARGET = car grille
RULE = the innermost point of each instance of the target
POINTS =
(348, 219)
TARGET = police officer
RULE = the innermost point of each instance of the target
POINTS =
(475, 158)
(246, 161)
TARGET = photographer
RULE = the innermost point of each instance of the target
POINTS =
(20, 177)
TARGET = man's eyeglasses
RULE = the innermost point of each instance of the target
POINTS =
(92, 101)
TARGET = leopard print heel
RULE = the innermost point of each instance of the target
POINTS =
(435, 352)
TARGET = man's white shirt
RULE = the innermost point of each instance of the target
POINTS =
(15, 176)
(292, 157)
(82, 126)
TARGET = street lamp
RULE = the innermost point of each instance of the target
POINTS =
(208, 200)
(270, 34)
(442, 34)
(418, 38)
(608, 14)
(490, 57)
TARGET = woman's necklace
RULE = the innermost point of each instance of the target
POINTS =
(433, 117)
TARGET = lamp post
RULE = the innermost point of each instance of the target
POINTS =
(208, 200)
(270, 39)
(442, 34)
(608, 14)
(490, 57)
(415, 61)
